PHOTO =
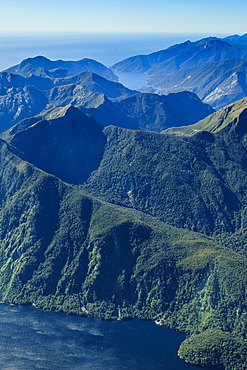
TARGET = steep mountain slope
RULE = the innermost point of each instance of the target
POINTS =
(184, 56)
(231, 89)
(227, 118)
(187, 182)
(9, 80)
(24, 97)
(155, 113)
(70, 94)
(215, 83)
(108, 113)
(30, 65)
(147, 111)
(66, 251)
(97, 84)
(100, 107)
(237, 39)
(64, 142)
(212, 68)
(19, 103)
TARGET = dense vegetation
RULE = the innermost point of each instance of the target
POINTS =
(117, 223)
(62, 250)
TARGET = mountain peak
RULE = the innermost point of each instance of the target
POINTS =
(68, 111)
(37, 61)
(64, 142)
(214, 42)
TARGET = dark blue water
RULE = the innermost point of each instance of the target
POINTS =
(106, 48)
(33, 339)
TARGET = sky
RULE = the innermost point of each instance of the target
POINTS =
(123, 16)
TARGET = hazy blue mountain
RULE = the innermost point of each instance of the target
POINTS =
(30, 65)
(142, 63)
(100, 107)
(97, 84)
(19, 103)
(183, 56)
(23, 97)
(45, 74)
(237, 39)
(108, 113)
(70, 94)
(215, 83)
(44, 81)
(52, 73)
(149, 111)
(212, 68)
(9, 80)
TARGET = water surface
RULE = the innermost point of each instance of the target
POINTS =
(33, 339)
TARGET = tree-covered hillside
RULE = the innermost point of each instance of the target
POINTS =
(67, 251)
(147, 225)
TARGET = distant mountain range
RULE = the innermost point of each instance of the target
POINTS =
(213, 68)
(237, 39)
(40, 66)
(36, 89)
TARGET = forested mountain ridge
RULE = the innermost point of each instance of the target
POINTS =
(65, 250)
(152, 112)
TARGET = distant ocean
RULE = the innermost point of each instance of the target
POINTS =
(105, 48)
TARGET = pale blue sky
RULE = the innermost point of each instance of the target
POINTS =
(188, 16)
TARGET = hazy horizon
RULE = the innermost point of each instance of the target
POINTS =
(105, 48)
(143, 16)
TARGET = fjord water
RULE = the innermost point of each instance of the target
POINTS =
(34, 339)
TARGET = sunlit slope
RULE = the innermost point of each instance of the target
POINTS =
(228, 116)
